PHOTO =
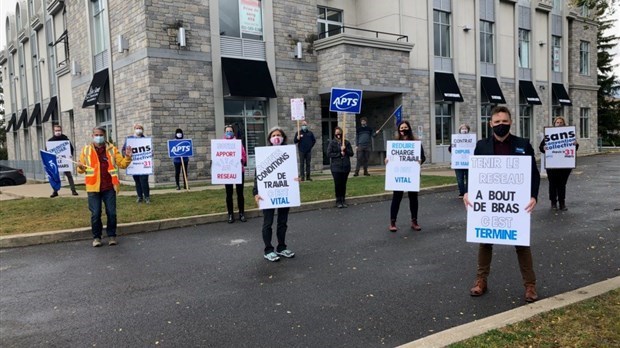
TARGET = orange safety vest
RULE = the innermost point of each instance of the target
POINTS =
(90, 159)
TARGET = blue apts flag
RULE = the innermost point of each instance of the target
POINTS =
(398, 113)
(51, 169)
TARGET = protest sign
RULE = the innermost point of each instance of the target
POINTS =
(463, 146)
(62, 150)
(141, 156)
(298, 112)
(226, 166)
(276, 170)
(402, 172)
(499, 189)
(560, 147)
(180, 148)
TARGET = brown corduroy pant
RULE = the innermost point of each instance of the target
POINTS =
(524, 255)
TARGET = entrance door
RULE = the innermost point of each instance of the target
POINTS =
(329, 121)
(443, 132)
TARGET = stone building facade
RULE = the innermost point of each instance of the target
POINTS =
(180, 64)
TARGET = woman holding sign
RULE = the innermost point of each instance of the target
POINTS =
(276, 137)
(558, 177)
(405, 132)
(178, 166)
(340, 152)
(229, 134)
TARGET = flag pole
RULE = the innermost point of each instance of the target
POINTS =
(386, 121)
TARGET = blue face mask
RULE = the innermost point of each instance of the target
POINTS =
(99, 139)
(229, 135)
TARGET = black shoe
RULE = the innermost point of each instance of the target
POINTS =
(366, 174)
(231, 218)
(344, 204)
(302, 179)
(178, 188)
(74, 192)
(54, 194)
(356, 174)
(563, 206)
(309, 179)
(242, 217)
(554, 206)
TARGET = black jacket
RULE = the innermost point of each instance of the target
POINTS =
(519, 147)
(61, 138)
(339, 163)
(307, 141)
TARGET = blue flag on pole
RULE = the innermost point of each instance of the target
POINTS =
(398, 114)
(51, 169)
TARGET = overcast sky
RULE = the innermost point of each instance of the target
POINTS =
(9, 5)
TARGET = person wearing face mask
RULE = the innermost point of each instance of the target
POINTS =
(305, 141)
(178, 134)
(340, 156)
(461, 174)
(405, 132)
(229, 134)
(558, 177)
(363, 145)
(276, 137)
(58, 136)
(503, 143)
(142, 181)
(100, 161)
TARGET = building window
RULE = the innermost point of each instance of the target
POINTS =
(485, 120)
(585, 10)
(557, 5)
(443, 124)
(248, 118)
(28, 145)
(34, 50)
(243, 18)
(584, 122)
(441, 29)
(17, 144)
(525, 117)
(18, 18)
(99, 31)
(22, 76)
(556, 53)
(329, 22)
(524, 48)
(584, 58)
(104, 119)
(51, 57)
(486, 42)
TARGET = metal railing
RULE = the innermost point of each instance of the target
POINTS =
(376, 33)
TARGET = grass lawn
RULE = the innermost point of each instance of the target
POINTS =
(45, 214)
(590, 323)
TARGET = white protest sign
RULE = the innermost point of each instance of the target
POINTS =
(560, 147)
(226, 166)
(463, 146)
(276, 170)
(62, 150)
(141, 156)
(499, 189)
(298, 112)
(402, 172)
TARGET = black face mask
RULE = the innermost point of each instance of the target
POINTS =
(501, 130)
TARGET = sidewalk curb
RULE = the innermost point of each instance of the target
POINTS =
(84, 233)
(478, 327)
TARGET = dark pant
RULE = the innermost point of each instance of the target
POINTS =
(304, 164)
(94, 205)
(363, 154)
(229, 196)
(524, 255)
(397, 197)
(280, 228)
(340, 184)
(557, 184)
(177, 172)
(142, 186)
(461, 180)
(70, 179)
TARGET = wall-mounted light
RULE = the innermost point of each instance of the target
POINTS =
(75, 68)
(122, 44)
(181, 37)
(42, 60)
(299, 50)
(15, 78)
(542, 87)
(466, 28)
(541, 43)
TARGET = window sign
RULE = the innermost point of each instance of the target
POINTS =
(250, 17)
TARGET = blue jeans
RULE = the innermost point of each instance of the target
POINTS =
(142, 186)
(94, 205)
(461, 180)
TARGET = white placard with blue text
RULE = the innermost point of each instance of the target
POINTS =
(226, 167)
(62, 150)
(499, 189)
(180, 148)
(560, 147)
(276, 170)
(463, 146)
(141, 156)
(402, 172)
(345, 100)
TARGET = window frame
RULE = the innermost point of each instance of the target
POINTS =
(327, 22)
(526, 115)
(584, 58)
(238, 33)
(524, 42)
(584, 123)
(442, 33)
(556, 53)
(444, 115)
(487, 46)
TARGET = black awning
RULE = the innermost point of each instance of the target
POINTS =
(36, 115)
(529, 92)
(559, 92)
(96, 87)
(22, 119)
(247, 78)
(491, 88)
(447, 87)
(11, 123)
(51, 110)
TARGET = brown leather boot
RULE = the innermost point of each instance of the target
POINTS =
(415, 226)
(480, 287)
(530, 293)
(393, 227)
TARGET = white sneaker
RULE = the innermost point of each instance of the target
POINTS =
(286, 253)
(112, 241)
(272, 257)
(97, 242)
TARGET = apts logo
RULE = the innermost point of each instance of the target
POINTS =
(346, 100)
(182, 149)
